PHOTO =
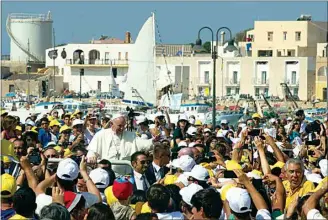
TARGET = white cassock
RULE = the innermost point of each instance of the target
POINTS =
(107, 145)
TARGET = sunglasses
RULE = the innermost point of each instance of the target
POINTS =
(145, 162)
(51, 156)
(44, 123)
(250, 124)
(28, 139)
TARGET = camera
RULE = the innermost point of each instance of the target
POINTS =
(34, 157)
(77, 159)
(254, 132)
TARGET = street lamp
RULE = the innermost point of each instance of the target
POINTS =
(54, 56)
(198, 48)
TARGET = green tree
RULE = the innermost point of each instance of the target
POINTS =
(207, 46)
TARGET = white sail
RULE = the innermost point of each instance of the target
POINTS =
(140, 86)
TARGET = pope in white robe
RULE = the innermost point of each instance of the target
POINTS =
(116, 143)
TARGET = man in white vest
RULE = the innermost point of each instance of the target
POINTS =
(116, 143)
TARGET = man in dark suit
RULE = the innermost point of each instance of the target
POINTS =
(157, 169)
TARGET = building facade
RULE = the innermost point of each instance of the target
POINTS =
(321, 72)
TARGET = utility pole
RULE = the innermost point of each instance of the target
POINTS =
(28, 73)
(54, 56)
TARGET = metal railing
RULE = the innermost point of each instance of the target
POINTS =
(260, 82)
(292, 82)
(97, 62)
(37, 17)
(230, 81)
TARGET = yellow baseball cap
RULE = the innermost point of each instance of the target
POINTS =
(198, 122)
(256, 115)
(3, 112)
(19, 128)
(33, 129)
(278, 164)
(170, 179)
(225, 189)
(54, 123)
(5, 159)
(233, 165)
(110, 198)
(64, 128)
(145, 208)
(8, 185)
(50, 118)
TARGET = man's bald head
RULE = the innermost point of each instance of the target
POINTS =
(186, 151)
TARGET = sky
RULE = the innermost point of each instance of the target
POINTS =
(179, 22)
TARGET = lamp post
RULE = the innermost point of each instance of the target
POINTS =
(198, 47)
(54, 56)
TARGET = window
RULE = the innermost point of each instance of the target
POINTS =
(11, 88)
(323, 53)
(62, 71)
(270, 36)
(257, 91)
(264, 53)
(266, 92)
(235, 77)
(99, 85)
(263, 77)
(285, 35)
(293, 77)
(228, 91)
(237, 91)
(126, 55)
(207, 77)
(119, 55)
(297, 35)
(295, 91)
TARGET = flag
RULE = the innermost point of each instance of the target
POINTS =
(7, 149)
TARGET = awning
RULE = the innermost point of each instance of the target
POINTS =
(11, 94)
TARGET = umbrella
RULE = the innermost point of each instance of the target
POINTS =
(11, 94)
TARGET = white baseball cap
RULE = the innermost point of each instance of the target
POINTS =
(77, 122)
(51, 144)
(289, 119)
(272, 120)
(199, 173)
(185, 162)
(100, 178)
(182, 144)
(141, 119)
(192, 130)
(68, 169)
(30, 122)
(192, 144)
(183, 117)
(189, 191)
(239, 200)
(207, 130)
(224, 121)
(159, 114)
(182, 178)
(323, 167)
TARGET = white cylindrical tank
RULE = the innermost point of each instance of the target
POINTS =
(33, 28)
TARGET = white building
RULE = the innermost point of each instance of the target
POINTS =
(97, 60)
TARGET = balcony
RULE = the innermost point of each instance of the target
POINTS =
(260, 82)
(231, 82)
(97, 63)
(290, 82)
(202, 81)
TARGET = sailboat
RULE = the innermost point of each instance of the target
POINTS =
(140, 86)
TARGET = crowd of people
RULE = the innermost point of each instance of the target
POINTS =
(72, 166)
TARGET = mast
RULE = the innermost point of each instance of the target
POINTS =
(28, 73)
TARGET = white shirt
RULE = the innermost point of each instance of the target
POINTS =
(172, 215)
(303, 126)
(156, 171)
(44, 200)
(140, 181)
(107, 145)
(88, 135)
(314, 214)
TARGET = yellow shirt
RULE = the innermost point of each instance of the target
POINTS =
(16, 216)
(145, 208)
(306, 187)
